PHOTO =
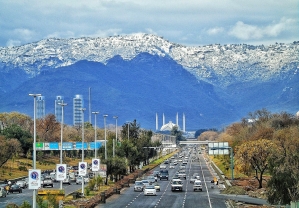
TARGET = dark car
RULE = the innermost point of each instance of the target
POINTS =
(15, 188)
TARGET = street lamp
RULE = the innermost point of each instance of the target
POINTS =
(34, 144)
(82, 109)
(128, 122)
(115, 135)
(61, 135)
(95, 133)
(105, 136)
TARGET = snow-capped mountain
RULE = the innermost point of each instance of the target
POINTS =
(136, 76)
(221, 65)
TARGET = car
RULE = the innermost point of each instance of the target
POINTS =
(22, 184)
(67, 180)
(80, 180)
(151, 179)
(145, 183)
(156, 174)
(192, 179)
(138, 186)
(48, 181)
(177, 185)
(171, 165)
(15, 188)
(164, 174)
(197, 186)
(149, 190)
(157, 186)
(163, 166)
(3, 192)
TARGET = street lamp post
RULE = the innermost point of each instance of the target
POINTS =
(128, 122)
(105, 136)
(61, 134)
(115, 135)
(95, 133)
(34, 144)
(82, 109)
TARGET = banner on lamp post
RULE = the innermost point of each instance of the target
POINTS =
(60, 172)
(34, 179)
(95, 165)
(82, 168)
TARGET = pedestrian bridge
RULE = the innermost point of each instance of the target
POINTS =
(195, 142)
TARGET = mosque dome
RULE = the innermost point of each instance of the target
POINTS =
(168, 127)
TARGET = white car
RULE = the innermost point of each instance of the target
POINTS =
(150, 190)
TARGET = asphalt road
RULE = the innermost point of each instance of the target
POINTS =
(166, 198)
(26, 195)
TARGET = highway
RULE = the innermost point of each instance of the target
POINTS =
(166, 198)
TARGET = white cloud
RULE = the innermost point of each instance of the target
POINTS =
(11, 43)
(253, 32)
(215, 30)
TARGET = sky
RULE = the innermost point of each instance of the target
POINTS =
(186, 22)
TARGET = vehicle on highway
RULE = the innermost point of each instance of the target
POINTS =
(53, 176)
(22, 184)
(171, 166)
(175, 162)
(151, 179)
(181, 174)
(3, 192)
(80, 180)
(67, 180)
(177, 185)
(156, 174)
(197, 186)
(157, 186)
(48, 181)
(15, 188)
(149, 190)
(138, 186)
(145, 183)
(192, 179)
(164, 174)
(163, 166)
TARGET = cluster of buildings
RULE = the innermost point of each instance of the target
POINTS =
(78, 104)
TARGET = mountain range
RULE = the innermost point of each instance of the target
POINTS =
(136, 76)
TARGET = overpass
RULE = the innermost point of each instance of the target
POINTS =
(195, 142)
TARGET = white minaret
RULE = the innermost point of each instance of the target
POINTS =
(184, 123)
(177, 119)
(163, 119)
(157, 126)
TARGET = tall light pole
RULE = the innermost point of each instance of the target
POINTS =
(115, 135)
(82, 109)
(128, 122)
(34, 144)
(105, 136)
(61, 134)
(95, 132)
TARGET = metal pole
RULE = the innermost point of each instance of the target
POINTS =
(61, 135)
(115, 135)
(82, 109)
(95, 133)
(232, 162)
(128, 130)
(34, 144)
(105, 137)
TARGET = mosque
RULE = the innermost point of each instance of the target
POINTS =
(168, 126)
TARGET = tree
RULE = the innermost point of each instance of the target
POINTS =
(48, 128)
(254, 156)
(178, 134)
(8, 148)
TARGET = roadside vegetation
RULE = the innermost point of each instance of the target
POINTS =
(266, 149)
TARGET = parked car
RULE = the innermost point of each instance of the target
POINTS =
(138, 186)
(3, 192)
(22, 184)
(15, 188)
(149, 190)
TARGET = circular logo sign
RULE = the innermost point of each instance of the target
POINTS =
(34, 175)
(61, 169)
(95, 162)
(82, 166)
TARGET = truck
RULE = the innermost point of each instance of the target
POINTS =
(177, 185)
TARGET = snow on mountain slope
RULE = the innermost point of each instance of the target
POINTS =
(221, 65)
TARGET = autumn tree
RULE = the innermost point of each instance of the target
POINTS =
(8, 148)
(48, 129)
(254, 156)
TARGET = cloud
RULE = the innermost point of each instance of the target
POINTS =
(11, 43)
(215, 30)
(247, 32)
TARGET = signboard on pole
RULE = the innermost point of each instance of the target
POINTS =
(60, 172)
(82, 168)
(95, 165)
(34, 179)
